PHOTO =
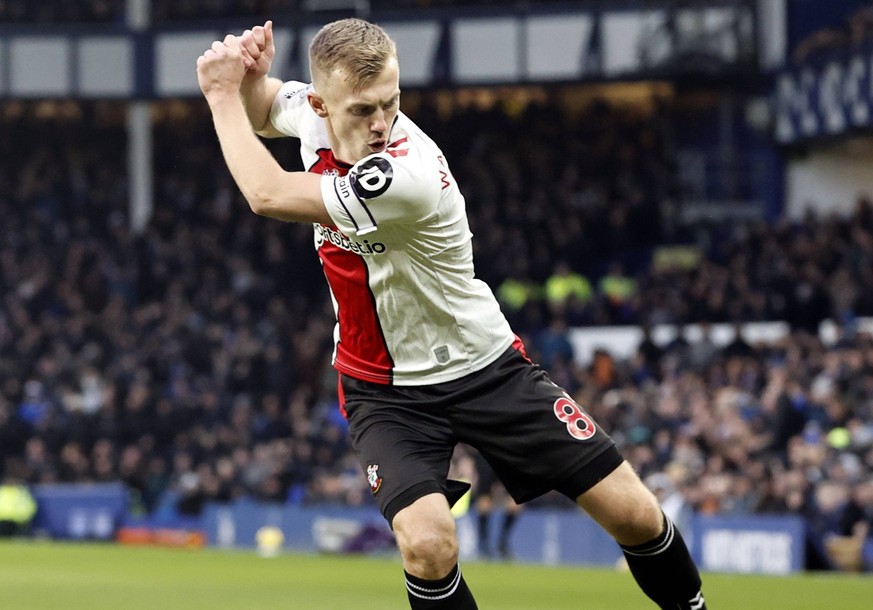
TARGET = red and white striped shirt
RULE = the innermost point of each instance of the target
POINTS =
(399, 258)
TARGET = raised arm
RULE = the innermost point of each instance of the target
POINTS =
(258, 88)
(269, 189)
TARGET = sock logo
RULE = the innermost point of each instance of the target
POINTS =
(697, 602)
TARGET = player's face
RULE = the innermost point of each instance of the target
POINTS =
(361, 121)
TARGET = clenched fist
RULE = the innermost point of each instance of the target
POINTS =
(220, 70)
(258, 49)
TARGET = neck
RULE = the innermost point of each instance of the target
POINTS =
(340, 152)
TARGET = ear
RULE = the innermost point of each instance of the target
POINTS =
(316, 102)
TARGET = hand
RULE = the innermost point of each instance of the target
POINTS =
(258, 50)
(220, 70)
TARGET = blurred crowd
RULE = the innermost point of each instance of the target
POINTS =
(749, 428)
(166, 11)
(854, 32)
(53, 11)
(191, 361)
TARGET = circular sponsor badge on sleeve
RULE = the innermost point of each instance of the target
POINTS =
(372, 177)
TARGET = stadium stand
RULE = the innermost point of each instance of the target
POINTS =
(190, 361)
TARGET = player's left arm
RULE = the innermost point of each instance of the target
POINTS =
(269, 189)
(381, 189)
(258, 88)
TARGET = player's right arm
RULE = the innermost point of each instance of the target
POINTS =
(269, 189)
(259, 89)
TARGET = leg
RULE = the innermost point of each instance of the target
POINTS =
(425, 532)
(483, 497)
(624, 507)
(483, 521)
(510, 516)
(655, 551)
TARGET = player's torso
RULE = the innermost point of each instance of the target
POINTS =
(409, 309)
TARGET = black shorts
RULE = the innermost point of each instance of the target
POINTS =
(530, 431)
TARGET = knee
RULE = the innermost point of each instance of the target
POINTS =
(624, 507)
(639, 522)
(429, 548)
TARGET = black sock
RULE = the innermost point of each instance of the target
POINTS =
(449, 593)
(664, 570)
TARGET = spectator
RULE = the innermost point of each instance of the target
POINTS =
(738, 346)
(492, 503)
(618, 291)
(17, 507)
(568, 292)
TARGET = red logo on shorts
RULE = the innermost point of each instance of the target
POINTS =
(373, 478)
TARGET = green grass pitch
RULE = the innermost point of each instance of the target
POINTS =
(66, 576)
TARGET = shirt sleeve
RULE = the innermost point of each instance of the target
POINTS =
(382, 189)
(290, 107)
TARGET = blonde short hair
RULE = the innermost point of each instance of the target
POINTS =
(358, 48)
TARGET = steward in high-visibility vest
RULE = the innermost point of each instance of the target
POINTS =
(17, 508)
